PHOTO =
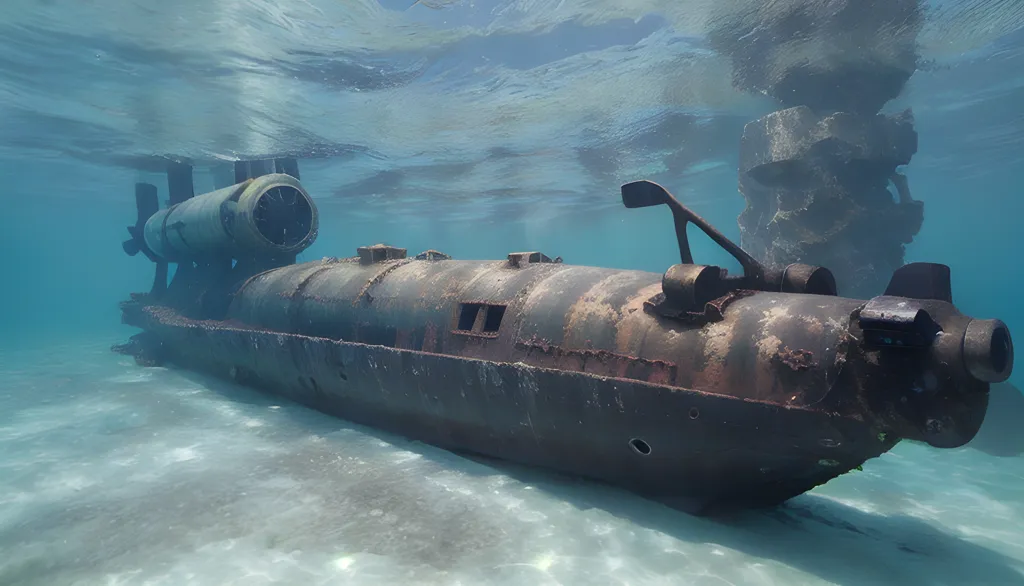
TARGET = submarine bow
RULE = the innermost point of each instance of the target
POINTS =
(697, 388)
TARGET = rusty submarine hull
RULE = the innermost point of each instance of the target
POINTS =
(705, 391)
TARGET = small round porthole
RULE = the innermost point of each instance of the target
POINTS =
(694, 413)
(640, 446)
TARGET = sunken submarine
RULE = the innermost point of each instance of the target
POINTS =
(702, 390)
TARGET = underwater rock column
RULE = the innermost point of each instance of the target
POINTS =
(816, 175)
(817, 193)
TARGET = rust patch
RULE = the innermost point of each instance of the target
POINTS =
(485, 302)
(433, 255)
(364, 293)
(632, 319)
(297, 298)
(766, 383)
(430, 337)
(813, 326)
(592, 313)
(712, 373)
(472, 334)
(600, 362)
(160, 317)
(796, 359)
(402, 337)
(714, 310)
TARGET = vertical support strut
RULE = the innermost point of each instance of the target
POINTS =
(179, 182)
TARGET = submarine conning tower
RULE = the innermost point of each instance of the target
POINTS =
(695, 387)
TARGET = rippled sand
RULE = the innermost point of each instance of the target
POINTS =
(114, 474)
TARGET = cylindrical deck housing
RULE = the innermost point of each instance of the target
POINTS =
(271, 215)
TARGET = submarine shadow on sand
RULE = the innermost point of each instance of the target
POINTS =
(818, 535)
(815, 534)
(305, 420)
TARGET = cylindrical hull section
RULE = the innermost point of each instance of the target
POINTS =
(695, 451)
(759, 398)
(244, 220)
(584, 319)
(191, 228)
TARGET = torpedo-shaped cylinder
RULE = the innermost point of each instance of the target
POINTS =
(790, 350)
(271, 215)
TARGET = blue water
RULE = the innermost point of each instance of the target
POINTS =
(475, 128)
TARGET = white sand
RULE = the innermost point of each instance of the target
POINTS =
(114, 474)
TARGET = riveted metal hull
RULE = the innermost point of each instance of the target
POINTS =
(707, 452)
(577, 377)
(701, 390)
(584, 319)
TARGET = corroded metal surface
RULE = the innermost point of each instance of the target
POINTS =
(706, 451)
(558, 316)
(789, 350)
(696, 388)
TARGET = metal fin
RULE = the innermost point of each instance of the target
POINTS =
(921, 280)
(179, 182)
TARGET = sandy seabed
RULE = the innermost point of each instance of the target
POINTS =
(112, 474)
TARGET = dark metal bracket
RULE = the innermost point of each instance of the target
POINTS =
(689, 290)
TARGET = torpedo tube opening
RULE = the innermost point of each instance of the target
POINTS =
(283, 216)
(988, 350)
